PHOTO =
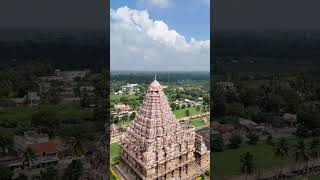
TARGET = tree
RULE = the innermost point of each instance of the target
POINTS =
(217, 143)
(269, 140)
(28, 158)
(235, 109)
(132, 116)
(187, 113)
(47, 121)
(5, 173)
(6, 141)
(124, 118)
(314, 149)
(235, 141)
(253, 138)
(101, 111)
(281, 148)
(247, 163)
(300, 153)
(73, 171)
(49, 174)
(124, 100)
(77, 148)
(198, 108)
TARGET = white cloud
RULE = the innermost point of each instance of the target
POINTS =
(141, 43)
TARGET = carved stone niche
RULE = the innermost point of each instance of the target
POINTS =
(149, 172)
(161, 156)
(159, 131)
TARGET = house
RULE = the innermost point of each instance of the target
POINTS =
(89, 90)
(246, 125)
(188, 101)
(21, 142)
(121, 110)
(33, 99)
(71, 75)
(19, 101)
(226, 85)
(46, 154)
(44, 87)
(50, 78)
(290, 119)
(120, 93)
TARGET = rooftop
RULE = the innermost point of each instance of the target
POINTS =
(40, 148)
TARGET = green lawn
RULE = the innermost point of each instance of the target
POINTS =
(227, 163)
(114, 150)
(198, 123)
(181, 112)
(64, 112)
(15, 113)
(130, 97)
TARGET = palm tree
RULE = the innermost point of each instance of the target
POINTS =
(5, 142)
(247, 163)
(300, 153)
(281, 149)
(187, 113)
(314, 149)
(77, 148)
(28, 157)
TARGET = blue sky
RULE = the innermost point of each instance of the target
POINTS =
(160, 35)
(190, 18)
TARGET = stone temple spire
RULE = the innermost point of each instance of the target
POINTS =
(156, 145)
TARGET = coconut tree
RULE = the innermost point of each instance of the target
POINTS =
(187, 113)
(300, 153)
(314, 150)
(247, 163)
(77, 148)
(281, 149)
(28, 158)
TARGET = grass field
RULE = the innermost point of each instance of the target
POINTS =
(64, 112)
(117, 97)
(198, 123)
(181, 112)
(114, 150)
(228, 161)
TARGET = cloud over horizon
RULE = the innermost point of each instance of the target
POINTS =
(141, 43)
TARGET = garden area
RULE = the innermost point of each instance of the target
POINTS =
(179, 113)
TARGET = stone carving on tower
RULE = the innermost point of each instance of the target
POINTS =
(156, 145)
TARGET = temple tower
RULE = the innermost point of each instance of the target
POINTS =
(156, 145)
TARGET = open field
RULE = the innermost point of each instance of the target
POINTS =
(117, 97)
(198, 123)
(63, 112)
(181, 112)
(228, 161)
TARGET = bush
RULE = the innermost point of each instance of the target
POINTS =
(217, 143)
(253, 138)
(235, 141)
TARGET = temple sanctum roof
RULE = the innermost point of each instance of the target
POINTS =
(156, 136)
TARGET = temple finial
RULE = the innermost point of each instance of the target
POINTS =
(155, 77)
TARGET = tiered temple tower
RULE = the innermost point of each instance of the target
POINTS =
(156, 145)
